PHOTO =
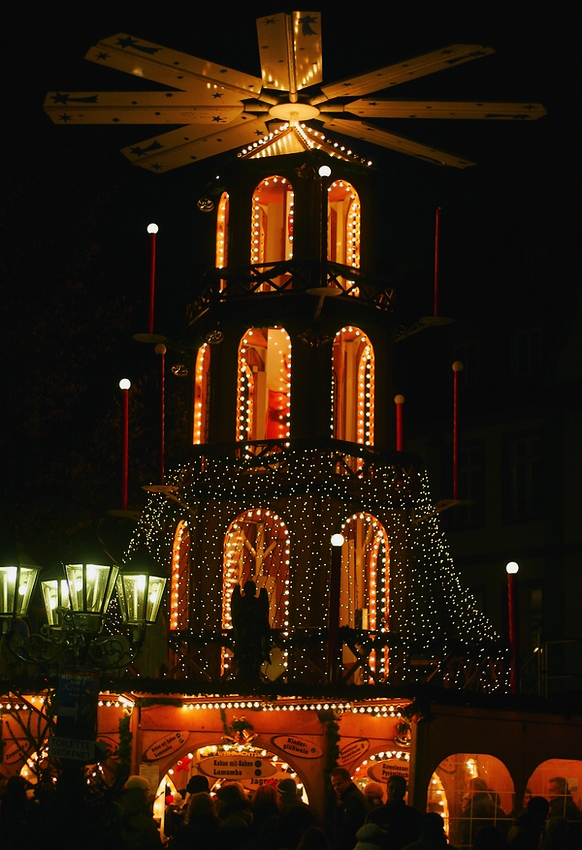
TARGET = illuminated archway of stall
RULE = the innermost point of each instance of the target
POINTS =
(256, 547)
(353, 387)
(569, 770)
(449, 790)
(264, 385)
(272, 224)
(343, 228)
(365, 582)
(201, 395)
(266, 768)
(222, 215)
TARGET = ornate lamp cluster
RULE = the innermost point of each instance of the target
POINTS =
(76, 598)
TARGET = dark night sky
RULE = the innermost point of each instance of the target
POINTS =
(75, 257)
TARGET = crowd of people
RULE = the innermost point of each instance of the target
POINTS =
(275, 817)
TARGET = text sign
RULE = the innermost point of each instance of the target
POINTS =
(71, 748)
(352, 751)
(298, 747)
(381, 771)
(166, 745)
(236, 767)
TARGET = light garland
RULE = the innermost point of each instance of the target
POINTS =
(201, 393)
(222, 217)
(302, 486)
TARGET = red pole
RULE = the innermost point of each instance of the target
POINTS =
(334, 609)
(512, 569)
(436, 262)
(399, 401)
(152, 230)
(457, 367)
(161, 350)
(124, 386)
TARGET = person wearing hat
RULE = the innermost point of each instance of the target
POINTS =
(370, 837)
(296, 816)
(138, 828)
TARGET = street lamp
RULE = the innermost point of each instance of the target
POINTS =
(17, 582)
(76, 598)
(139, 591)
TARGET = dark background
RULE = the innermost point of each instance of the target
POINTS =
(75, 254)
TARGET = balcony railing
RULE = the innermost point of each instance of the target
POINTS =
(287, 278)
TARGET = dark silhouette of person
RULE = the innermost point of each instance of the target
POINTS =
(525, 834)
(352, 809)
(401, 822)
(252, 632)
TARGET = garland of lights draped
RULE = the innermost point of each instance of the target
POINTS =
(315, 490)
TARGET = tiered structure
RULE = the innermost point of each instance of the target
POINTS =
(291, 427)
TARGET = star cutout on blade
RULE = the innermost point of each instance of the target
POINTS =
(217, 95)
(217, 119)
(103, 57)
(64, 117)
(306, 22)
(60, 98)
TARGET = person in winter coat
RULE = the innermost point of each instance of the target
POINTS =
(234, 815)
(527, 829)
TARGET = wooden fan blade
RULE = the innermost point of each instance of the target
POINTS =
(185, 145)
(367, 133)
(170, 67)
(136, 108)
(393, 75)
(378, 108)
(290, 50)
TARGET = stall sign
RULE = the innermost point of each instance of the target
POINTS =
(381, 771)
(297, 747)
(352, 751)
(236, 766)
(165, 746)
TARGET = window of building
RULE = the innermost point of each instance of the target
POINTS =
(560, 782)
(353, 387)
(272, 223)
(256, 547)
(264, 385)
(526, 353)
(523, 491)
(180, 578)
(472, 483)
(201, 395)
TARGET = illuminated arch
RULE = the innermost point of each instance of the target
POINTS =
(448, 788)
(343, 224)
(272, 223)
(256, 546)
(539, 785)
(353, 387)
(201, 395)
(264, 385)
(222, 216)
(180, 578)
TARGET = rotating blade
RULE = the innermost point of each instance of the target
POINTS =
(367, 133)
(185, 145)
(290, 50)
(137, 108)
(170, 67)
(379, 108)
(402, 72)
